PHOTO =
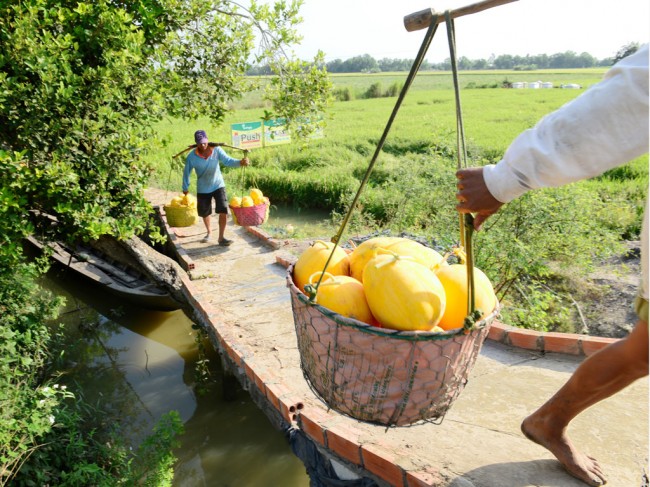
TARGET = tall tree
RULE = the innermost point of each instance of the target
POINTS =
(83, 82)
(625, 51)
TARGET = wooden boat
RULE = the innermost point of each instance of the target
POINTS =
(122, 280)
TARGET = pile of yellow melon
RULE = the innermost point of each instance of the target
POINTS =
(254, 198)
(392, 282)
(184, 200)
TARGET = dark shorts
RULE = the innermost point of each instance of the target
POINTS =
(204, 202)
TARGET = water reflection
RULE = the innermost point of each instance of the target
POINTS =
(140, 365)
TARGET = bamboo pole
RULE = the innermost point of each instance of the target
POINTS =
(422, 19)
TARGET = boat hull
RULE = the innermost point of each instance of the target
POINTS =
(120, 280)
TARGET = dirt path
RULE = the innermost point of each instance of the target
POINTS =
(615, 282)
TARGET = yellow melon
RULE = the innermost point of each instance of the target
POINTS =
(176, 201)
(235, 202)
(365, 251)
(257, 196)
(343, 295)
(402, 293)
(247, 201)
(426, 256)
(454, 281)
(400, 245)
(189, 201)
(313, 259)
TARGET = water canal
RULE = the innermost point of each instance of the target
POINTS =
(142, 364)
(286, 221)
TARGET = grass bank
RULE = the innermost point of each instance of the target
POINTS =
(412, 186)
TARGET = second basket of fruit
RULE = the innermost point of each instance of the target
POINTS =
(181, 211)
(250, 210)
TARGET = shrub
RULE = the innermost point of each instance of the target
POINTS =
(394, 89)
(374, 91)
(343, 94)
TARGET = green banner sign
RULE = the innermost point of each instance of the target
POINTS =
(276, 132)
(247, 135)
(267, 133)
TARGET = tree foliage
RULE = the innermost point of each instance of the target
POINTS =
(560, 60)
(82, 82)
(626, 50)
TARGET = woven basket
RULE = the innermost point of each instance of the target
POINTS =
(250, 216)
(379, 375)
(181, 216)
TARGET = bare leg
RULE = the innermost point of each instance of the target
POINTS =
(601, 375)
(206, 221)
(223, 218)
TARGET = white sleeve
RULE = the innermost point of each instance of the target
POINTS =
(603, 128)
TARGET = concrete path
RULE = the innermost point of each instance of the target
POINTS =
(241, 294)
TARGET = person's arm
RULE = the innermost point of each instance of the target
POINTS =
(226, 160)
(603, 128)
(187, 171)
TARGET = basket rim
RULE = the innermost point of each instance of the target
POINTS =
(409, 335)
(179, 208)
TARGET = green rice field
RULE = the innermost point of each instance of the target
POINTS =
(536, 249)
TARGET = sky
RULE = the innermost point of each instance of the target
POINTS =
(346, 28)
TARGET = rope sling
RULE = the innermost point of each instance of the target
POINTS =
(381, 375)
(465, 221)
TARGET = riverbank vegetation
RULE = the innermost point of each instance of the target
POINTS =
(49, 435)
(82, 83)
(536, 251)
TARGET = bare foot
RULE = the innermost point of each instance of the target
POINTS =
(578, 464)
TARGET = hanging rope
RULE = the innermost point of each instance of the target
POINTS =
(409, 80)
(242, 180)
(426, 42)
(466, 222)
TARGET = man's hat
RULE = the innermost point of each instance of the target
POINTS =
(200, 137)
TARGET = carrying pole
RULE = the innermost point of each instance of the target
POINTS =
(422, 19)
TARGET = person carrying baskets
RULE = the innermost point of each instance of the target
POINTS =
(605, 127)
(205, 160)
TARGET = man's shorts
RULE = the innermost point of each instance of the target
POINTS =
(204, 202)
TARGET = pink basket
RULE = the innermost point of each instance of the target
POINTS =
(250, 216)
